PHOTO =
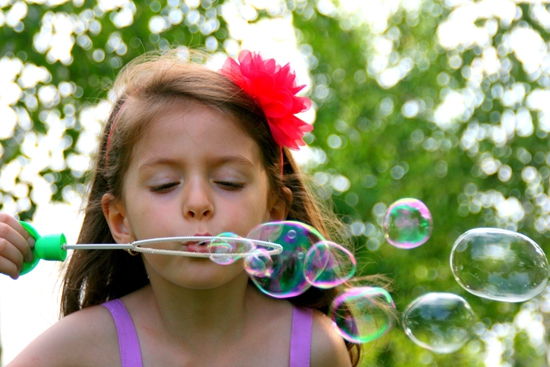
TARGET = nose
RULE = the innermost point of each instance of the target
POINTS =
(197, 202)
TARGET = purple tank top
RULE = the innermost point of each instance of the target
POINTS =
(130, 352)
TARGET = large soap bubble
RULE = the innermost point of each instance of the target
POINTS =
(259, 263)
(287, 278)
(440, 322)
(407, 223)
(498, 264)
(328, 264)
(363, 314)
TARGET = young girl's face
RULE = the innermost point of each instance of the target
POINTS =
(193, 173)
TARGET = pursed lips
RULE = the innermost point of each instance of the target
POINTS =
(198, 246)
(201, 247)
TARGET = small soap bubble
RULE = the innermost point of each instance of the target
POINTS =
(227, 247)
(291, 235)
(287, 278)
(407, 223)
(363, 314)
(328, 264)
(440, 322)
(500, 265)
(259, 263)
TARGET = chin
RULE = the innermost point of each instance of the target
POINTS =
(211, 276)
(196, 273)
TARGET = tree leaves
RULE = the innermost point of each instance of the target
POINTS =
(436, 102)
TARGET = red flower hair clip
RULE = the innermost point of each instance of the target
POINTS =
(274, 89)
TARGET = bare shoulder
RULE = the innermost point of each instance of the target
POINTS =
(84, 338)
(327, 346)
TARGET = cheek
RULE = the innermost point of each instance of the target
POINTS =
(260, 216)
(144, 221)
(242, 218)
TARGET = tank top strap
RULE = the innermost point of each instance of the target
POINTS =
(130, 352)
(300, 339)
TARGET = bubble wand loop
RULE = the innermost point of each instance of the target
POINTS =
(54, 247)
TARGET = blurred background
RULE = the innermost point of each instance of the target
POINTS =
(444, 101)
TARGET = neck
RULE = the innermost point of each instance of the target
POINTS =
(207, 316)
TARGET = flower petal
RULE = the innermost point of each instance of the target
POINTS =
(274, 89)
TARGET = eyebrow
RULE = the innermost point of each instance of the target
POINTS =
(217, 161)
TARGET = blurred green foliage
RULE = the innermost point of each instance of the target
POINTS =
(444, 101)
(436, 104)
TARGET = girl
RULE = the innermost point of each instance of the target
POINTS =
(187, 151)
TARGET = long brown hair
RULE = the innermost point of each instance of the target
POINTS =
(147, 87)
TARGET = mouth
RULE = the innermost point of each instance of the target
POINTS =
(197, 246)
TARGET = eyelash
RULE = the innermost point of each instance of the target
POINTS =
(164, 187)
(231, 185)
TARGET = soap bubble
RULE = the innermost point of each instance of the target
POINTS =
(287, 278)
(328, 264)
(407, 223)
(227, 247)
(440, 322)
(498, 264)
(363, 314)
(259, 263)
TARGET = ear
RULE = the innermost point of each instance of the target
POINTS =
(279, 209)
(115, 215)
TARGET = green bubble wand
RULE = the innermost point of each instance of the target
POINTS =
(54, 247)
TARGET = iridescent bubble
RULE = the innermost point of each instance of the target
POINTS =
(440, 322)
(287, 278)
(328, 264)
(291, 235)
(499, 264)
(407, 223)
(227, 247)
(363, 314)
(259, 263)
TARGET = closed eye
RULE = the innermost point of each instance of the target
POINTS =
(229, 185)
(164, 187)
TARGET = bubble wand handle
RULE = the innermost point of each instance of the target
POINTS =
(49, 247)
